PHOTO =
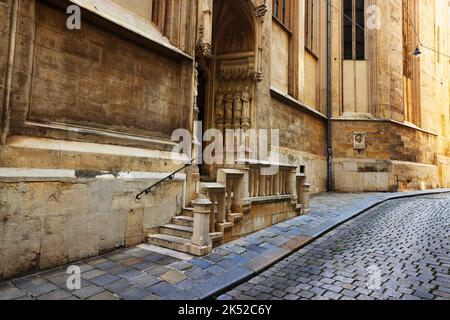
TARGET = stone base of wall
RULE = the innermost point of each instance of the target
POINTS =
(261, 215)
(49, 218)
(356, 175)
(444, 171)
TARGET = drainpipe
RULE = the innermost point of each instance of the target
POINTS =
(329, 105)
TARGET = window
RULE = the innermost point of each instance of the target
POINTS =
(354, 33)
(311, 9)
(281, 11)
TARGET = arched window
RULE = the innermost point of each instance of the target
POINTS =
(354, 34)
(311, 23)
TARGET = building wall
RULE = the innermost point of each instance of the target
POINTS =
(51, 218)
(97, 79)
(280, 58)
(398, 155)
(91, 117)
(297, 77)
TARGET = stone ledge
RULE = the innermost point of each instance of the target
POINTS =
(24, 142)
(269, 199)
(46, 175)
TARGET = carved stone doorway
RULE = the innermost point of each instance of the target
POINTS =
(230, 70)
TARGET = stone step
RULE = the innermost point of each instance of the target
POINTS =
(170, 242)
(216, 236)
(224, 226)
(183, 221)
(233, 217)
(177, 231)
(188, 212)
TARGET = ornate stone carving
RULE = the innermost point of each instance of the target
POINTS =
(246, 98)
(237, 106)
(236, 67)
(195, 89)
(229, 99)
(220, 111)
(236, 41)
(260, 11)
(206, 50)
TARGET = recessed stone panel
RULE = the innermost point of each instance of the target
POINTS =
(93, 78)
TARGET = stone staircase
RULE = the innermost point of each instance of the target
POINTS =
(220, 206)
(177, 234)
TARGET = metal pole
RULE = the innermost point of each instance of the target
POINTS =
(330, 183)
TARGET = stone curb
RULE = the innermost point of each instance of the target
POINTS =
(268, 261)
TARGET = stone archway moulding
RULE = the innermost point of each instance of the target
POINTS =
(205, 31)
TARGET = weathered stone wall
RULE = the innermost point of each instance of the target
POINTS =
(302, 135)
(397, 157)
(297, 128)
(366, 175)
(75, 200)
(49, 221)
(302, 140)
(385, 141)
(97, 79)
(261, 216)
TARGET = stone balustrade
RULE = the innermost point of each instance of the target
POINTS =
(221, 204)
(267, 184)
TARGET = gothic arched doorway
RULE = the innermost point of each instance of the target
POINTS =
(230, 72)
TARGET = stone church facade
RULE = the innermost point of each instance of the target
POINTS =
(87, 116)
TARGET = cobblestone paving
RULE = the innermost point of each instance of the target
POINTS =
(399, 250)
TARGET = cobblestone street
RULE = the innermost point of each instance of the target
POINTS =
(399, 250)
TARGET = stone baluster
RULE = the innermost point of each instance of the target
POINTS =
(276, 184)
(212, 220)
(229, 192)
(251, 182)
(221, 210)
(256, 182)
(236, 202)
(262, 185)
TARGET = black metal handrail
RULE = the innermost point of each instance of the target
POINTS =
(169, 177)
